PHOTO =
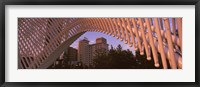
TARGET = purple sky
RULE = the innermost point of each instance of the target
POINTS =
(110, 40)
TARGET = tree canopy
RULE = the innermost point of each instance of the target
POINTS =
(117, 58)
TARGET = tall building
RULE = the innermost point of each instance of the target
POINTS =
(86, 51)
(72, 54)
(83, 51)
(100, 46)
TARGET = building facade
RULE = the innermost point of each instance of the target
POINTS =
(72, 54)
(83, 51)
(86, 51)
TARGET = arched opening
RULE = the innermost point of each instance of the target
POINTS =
(95, 42)
(69, 59)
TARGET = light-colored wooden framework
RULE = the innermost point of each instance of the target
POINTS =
(42, 40)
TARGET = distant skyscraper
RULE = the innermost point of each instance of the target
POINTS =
(72, 54)
(83, 51)
(100, 45)
(101, 40)
(86, 52)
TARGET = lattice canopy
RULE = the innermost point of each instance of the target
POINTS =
(42, 40)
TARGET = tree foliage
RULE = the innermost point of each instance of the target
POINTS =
(117, 58)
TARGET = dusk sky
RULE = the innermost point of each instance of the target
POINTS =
(110, 40)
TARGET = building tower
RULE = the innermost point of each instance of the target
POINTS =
(86, 51)
(83, 51)
(100, 45)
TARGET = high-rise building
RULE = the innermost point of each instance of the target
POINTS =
(83, 51)
(72, 54)
(100, 46)
(101, 40)
(86, 51)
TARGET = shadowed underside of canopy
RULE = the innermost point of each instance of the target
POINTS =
(42, 40)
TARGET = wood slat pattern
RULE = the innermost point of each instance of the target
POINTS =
(38, 38)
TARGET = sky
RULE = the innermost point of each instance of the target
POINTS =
(110, 40)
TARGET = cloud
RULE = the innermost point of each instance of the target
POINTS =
(92, 42)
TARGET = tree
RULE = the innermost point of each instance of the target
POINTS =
(114, 59)
(143, 63)
(101, 59)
